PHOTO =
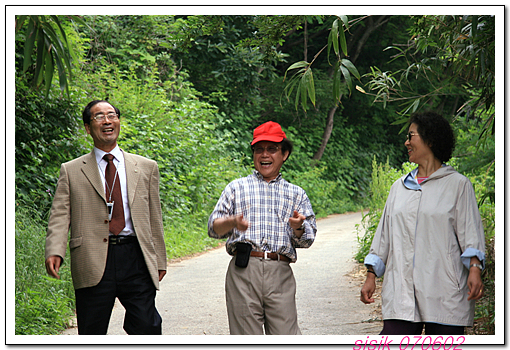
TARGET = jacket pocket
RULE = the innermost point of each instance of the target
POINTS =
(451, 271)
(75, 242)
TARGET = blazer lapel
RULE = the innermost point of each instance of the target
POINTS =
(91, 171)
(132, 176)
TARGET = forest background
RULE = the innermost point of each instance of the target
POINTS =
(191, 89)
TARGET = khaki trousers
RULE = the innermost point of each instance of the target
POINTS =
(261, 297)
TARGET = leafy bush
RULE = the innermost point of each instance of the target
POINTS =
(475, 157)
(320, 191)
(383, 176)
(485, 307)
(43, 305)
(47, 134)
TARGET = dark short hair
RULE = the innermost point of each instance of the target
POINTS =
(86, 112)
(436, 132)
(285, 144)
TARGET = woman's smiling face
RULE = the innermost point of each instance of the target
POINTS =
(267, 160)
(416, 148)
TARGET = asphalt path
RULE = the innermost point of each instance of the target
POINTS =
(191, 299)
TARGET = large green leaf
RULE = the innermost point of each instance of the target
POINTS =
(333, 39)
(300, 64)
(347, 77)
(343, 42)
(335, 35)
(30, 36)
(345, 21)
(51, 48)
(352, 69)
(303, 79)
(310, 85)
(40, 58)
(48, 69)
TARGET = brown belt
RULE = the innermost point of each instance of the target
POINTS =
(271, 256)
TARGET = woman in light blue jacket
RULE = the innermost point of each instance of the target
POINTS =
(429, 244)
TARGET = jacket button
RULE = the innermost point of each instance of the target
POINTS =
(106, 221)
(105, 240)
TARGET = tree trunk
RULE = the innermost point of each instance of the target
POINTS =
(327, 134)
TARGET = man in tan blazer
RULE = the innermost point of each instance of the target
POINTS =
(126, 260)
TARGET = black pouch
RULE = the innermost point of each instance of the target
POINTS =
(243, 251)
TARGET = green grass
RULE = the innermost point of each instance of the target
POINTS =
(43, 305)
(187, 236)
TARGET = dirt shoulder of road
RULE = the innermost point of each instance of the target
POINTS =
(358, 276)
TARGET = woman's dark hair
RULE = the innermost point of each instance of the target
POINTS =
(86, 112)
(436, 132)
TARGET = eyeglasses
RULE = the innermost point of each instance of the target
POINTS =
(101, 117)
(270, 149)
(410, 135)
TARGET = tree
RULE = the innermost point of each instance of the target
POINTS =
(455, 57)
(45, 38)
(343, 68)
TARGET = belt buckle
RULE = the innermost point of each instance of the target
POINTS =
(267, 258)
(112, 240)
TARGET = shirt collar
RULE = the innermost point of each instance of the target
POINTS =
(410, 180)
(117, 153)
(260, 177)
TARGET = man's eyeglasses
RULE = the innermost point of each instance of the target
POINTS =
(410, 135)
(101, 117)
(270, 149)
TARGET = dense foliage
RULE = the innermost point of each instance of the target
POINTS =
(190, 90)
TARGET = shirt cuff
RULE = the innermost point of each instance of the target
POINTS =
(470, 253)
(376, 262)
(306, 239)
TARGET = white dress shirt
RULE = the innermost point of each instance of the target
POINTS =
(119, 163)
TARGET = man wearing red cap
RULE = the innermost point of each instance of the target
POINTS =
(265, 219)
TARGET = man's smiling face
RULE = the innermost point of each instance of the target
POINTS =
(103, 133)
(268, 160)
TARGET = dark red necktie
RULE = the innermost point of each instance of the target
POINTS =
(112, 188)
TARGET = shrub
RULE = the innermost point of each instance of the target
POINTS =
(43, 305)
(383, 176)
(321, 192)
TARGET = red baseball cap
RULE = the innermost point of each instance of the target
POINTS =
(269, 131)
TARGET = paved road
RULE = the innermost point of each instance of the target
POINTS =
(191, 299)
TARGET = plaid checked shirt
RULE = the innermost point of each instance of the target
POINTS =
(267, 207)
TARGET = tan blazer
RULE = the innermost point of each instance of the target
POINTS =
(80, 204)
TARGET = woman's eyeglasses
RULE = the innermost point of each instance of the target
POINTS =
(410, 135)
